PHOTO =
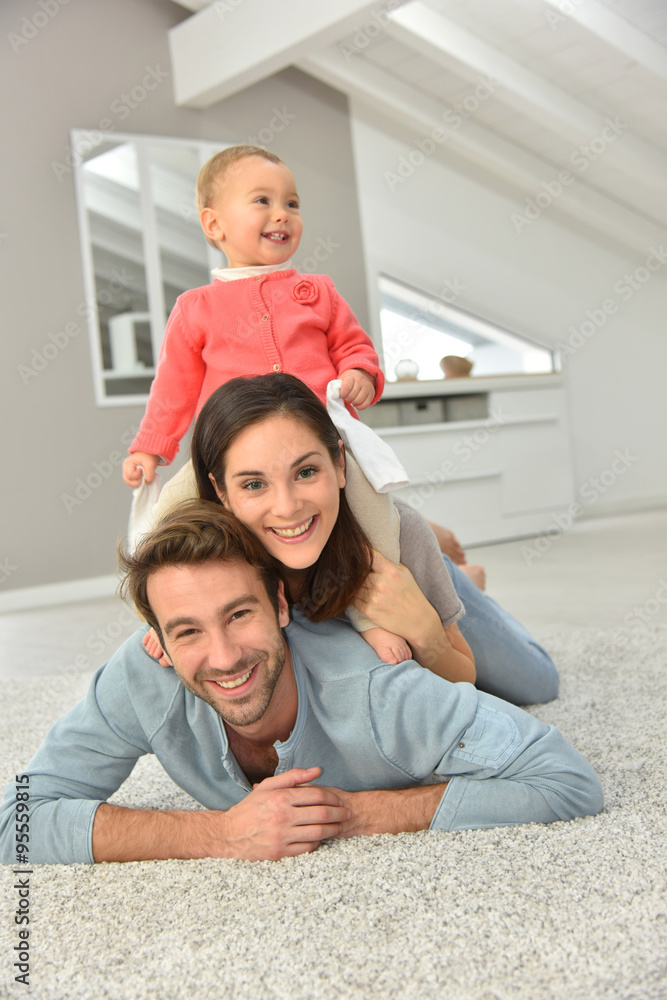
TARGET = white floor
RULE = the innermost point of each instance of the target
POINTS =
(605, 573)
(601, 572)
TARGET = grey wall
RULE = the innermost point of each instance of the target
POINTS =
(69, 69)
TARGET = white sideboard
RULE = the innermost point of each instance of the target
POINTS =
(487, 457)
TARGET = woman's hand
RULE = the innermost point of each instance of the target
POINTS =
(391, 599)
(154, 648)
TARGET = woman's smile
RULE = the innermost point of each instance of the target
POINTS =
(296, 533)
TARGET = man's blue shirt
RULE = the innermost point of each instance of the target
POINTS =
(367, 724)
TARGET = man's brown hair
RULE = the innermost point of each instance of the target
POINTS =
(193, 533)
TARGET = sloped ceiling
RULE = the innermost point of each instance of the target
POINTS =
(543, 87)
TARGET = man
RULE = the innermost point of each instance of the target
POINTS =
(286, 739)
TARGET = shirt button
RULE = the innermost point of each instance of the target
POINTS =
(265, 317)
(461, 746)
(276, 368)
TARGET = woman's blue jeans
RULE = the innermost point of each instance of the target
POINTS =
(510, 664)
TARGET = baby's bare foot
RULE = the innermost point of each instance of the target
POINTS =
(389, 647)
(477, 574)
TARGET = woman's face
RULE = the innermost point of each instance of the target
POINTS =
(280, 481)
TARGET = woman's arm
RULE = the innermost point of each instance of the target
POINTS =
(391, 599)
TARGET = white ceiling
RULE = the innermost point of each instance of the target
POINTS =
(577, 85)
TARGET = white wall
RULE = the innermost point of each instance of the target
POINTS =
(71, 69)
(446, 226)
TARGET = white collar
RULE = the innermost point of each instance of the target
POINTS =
(235, 273)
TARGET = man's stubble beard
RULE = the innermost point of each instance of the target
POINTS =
(251, 707)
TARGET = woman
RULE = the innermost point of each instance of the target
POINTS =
(266, 448)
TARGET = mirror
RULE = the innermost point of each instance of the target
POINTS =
(424, 338)
(142, 246)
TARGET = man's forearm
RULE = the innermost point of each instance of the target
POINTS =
(396, 810)
(283, 815)
(121, 834)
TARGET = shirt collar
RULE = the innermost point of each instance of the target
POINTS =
(235, 273)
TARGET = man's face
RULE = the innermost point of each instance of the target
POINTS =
(222, 634)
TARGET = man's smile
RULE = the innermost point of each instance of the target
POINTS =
(234, 686)
(236, 683)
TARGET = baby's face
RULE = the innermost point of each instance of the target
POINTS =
(255, 217)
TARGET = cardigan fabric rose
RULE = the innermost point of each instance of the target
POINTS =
(282, 321)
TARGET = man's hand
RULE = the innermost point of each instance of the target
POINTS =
(281, 817)
(357, 387)
(396, 810)
(133, 465)
(284, 816)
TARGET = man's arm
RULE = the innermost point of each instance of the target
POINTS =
(502, 765)
(283, 816)
(396, 810)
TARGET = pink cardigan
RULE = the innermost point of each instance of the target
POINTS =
(281, 321)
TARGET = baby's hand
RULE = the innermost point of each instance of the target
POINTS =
(389, 647)
(133, 465)
(357, 387)
(154, 648)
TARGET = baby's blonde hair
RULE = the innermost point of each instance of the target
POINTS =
(215, 169)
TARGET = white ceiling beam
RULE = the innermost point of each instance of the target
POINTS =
(620, 34)
(432, 35)
(232, 44)
(497, 155)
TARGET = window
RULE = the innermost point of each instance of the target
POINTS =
(419, 330)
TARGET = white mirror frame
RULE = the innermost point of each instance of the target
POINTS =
(84, 144)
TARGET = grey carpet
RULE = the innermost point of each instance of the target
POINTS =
(576, 911)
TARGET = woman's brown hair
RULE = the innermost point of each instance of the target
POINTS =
(345, 560)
